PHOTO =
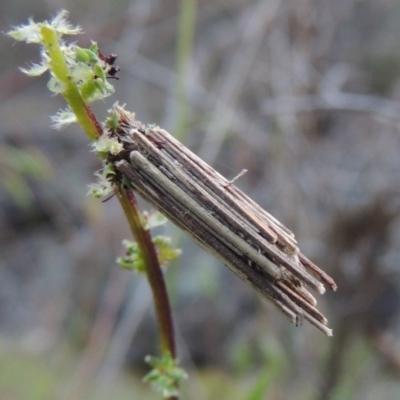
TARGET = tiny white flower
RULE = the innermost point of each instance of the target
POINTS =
(38, 69)
(155, 219)
(60, 24)
(101, 188)
(69, 52)
(55, 85)
(30, 32)
(81, 73)
(108, 145)
(63, 118)
(35, 69)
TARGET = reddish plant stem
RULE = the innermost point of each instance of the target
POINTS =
(94, 120)
(153, 270)
(149, 254)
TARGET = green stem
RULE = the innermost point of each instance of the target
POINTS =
(153, 270)
(186, 29)
(71, 93)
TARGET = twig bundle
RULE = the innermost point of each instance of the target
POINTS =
(219, 217)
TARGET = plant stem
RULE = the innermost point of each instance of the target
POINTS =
(71, 93)
(93, 130)
(153, 270)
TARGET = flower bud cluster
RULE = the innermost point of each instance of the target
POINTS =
(87, 69)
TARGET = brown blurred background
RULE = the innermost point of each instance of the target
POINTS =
(305, 95)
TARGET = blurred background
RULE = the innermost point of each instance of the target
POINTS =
(305, 95)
